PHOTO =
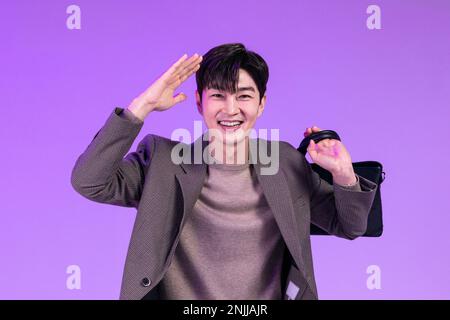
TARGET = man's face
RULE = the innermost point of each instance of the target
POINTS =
(232, 115)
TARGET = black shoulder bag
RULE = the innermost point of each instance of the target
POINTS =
(371, 170)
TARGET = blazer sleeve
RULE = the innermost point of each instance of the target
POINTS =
(339, 210)
(104, 172)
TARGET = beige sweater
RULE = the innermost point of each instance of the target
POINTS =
(231, 247)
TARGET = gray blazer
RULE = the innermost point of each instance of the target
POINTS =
(164, 194)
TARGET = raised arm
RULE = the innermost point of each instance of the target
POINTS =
(342, 208)
(104, 172)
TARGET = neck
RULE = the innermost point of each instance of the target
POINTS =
(225, 153)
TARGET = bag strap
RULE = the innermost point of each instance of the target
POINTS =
(317, 136)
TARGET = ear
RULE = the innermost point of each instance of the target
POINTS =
(199, 104)
(261, 106)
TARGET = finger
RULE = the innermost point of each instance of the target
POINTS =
(184, 77)
(310, 130)
(312, 149)
(314, 146)
(180, 97)
(310, 146)
(325, 143)
(322, 144)
(337, 147)
(185, 64)
(184, 71)
(325, 149)
(321, 147)
(174, 66)
(194, 62)
(190, 69)
(171, 74)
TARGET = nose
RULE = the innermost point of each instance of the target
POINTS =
(231, 106)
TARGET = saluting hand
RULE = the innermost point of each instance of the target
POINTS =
(160, 95)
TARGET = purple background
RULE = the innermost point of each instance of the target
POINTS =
(385, 91)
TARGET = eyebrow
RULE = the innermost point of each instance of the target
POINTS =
(246, 88)
(251, 88)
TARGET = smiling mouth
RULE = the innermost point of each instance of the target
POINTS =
(230, 124)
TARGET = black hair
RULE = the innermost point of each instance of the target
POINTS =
(220, 66)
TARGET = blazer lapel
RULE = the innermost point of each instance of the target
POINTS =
(192, 176)
(278, 196)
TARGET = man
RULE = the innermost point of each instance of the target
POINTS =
(220, 229)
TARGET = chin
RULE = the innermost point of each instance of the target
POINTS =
(237, 136)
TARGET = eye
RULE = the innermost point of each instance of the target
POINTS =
(216, 94)
(245, 95)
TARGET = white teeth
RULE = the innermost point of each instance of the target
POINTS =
(230, 123)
